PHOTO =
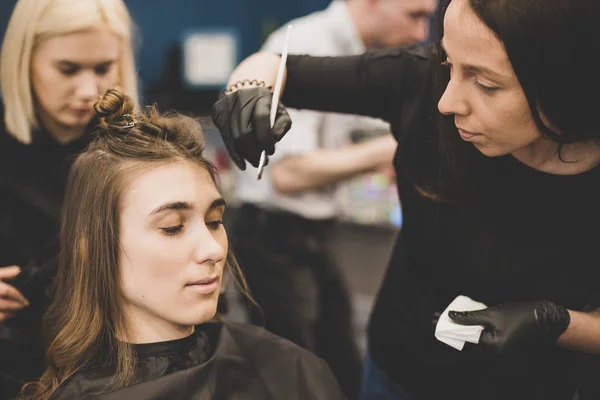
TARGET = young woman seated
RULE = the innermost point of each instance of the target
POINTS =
(144, 255)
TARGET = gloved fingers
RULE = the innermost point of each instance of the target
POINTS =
(480, 317)
(233, 153)
(222, 115)
(283, 122)
(435, 318)
(249, 148)
(262, 124)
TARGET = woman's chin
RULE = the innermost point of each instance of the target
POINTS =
(490, 151)
(204, 313)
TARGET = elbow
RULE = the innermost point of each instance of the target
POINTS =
(283, 181)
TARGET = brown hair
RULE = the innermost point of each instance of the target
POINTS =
(86, 314)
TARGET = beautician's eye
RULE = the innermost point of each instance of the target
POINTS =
(172, 230)
(214, 225)
(486, 89)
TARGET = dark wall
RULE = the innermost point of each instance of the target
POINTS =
(162, 22)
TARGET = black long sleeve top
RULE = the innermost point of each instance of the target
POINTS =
(32, 185)
(525, 235)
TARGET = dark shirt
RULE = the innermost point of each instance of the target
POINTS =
(32, 185)
(523, 235)
(219, 361)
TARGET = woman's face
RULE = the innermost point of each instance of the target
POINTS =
(173, 250)
(484, 95)
(69, 72)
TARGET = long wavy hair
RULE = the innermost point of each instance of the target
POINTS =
(86, 312)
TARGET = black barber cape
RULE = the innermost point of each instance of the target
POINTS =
(222, 361)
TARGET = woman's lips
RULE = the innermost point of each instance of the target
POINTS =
(204, 286)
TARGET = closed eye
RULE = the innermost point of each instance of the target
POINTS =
(172, 230)
(214, 225)
(485, 88)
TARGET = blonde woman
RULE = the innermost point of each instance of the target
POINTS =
(142, 259)
(58, 57)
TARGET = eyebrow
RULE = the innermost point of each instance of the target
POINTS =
(185, 206)
(76, 64)
(421, 14)
(476, 69)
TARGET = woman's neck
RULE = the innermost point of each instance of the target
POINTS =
(62, 134)
(543, 155)
(148, 329)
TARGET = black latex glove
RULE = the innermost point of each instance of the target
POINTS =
(243, 120)
(516, 326)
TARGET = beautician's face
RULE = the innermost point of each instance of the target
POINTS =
(402, 22)
(69, 72)
(173, 247)
(484, 94)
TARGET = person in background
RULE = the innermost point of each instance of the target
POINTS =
(142, 263)
(283, 229)
(57, 57)
(497, 166)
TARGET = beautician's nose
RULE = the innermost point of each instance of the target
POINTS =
(453, 101)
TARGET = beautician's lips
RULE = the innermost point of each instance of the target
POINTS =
(466, 135)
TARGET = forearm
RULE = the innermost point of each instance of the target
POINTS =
(375, 84)
(260, 67)
(325, 166)
(583, 333)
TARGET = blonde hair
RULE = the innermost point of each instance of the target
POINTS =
(34, 21)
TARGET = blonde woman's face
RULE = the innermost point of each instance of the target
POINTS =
(69, 73)
(173, 250)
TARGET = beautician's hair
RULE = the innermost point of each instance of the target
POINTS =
(86, 314)
(34, 21)
(552, 46)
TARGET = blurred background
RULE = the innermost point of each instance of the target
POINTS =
(185, 51)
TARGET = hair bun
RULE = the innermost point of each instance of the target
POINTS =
(113, 106)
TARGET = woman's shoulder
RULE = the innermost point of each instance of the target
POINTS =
(8, 143)
(4, 136)
(256, 341)
(86, 382)
(285, 366)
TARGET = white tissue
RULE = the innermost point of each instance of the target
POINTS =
(453, 334)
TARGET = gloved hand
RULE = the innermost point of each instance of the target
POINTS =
(243, 120)
(514, 326)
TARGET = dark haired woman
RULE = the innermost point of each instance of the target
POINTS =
(500, 192)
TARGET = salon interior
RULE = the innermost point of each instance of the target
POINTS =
(185, 52)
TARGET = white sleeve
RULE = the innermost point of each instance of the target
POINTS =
(307, 125)
(303, 137)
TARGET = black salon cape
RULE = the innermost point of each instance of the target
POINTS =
(224, 361)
